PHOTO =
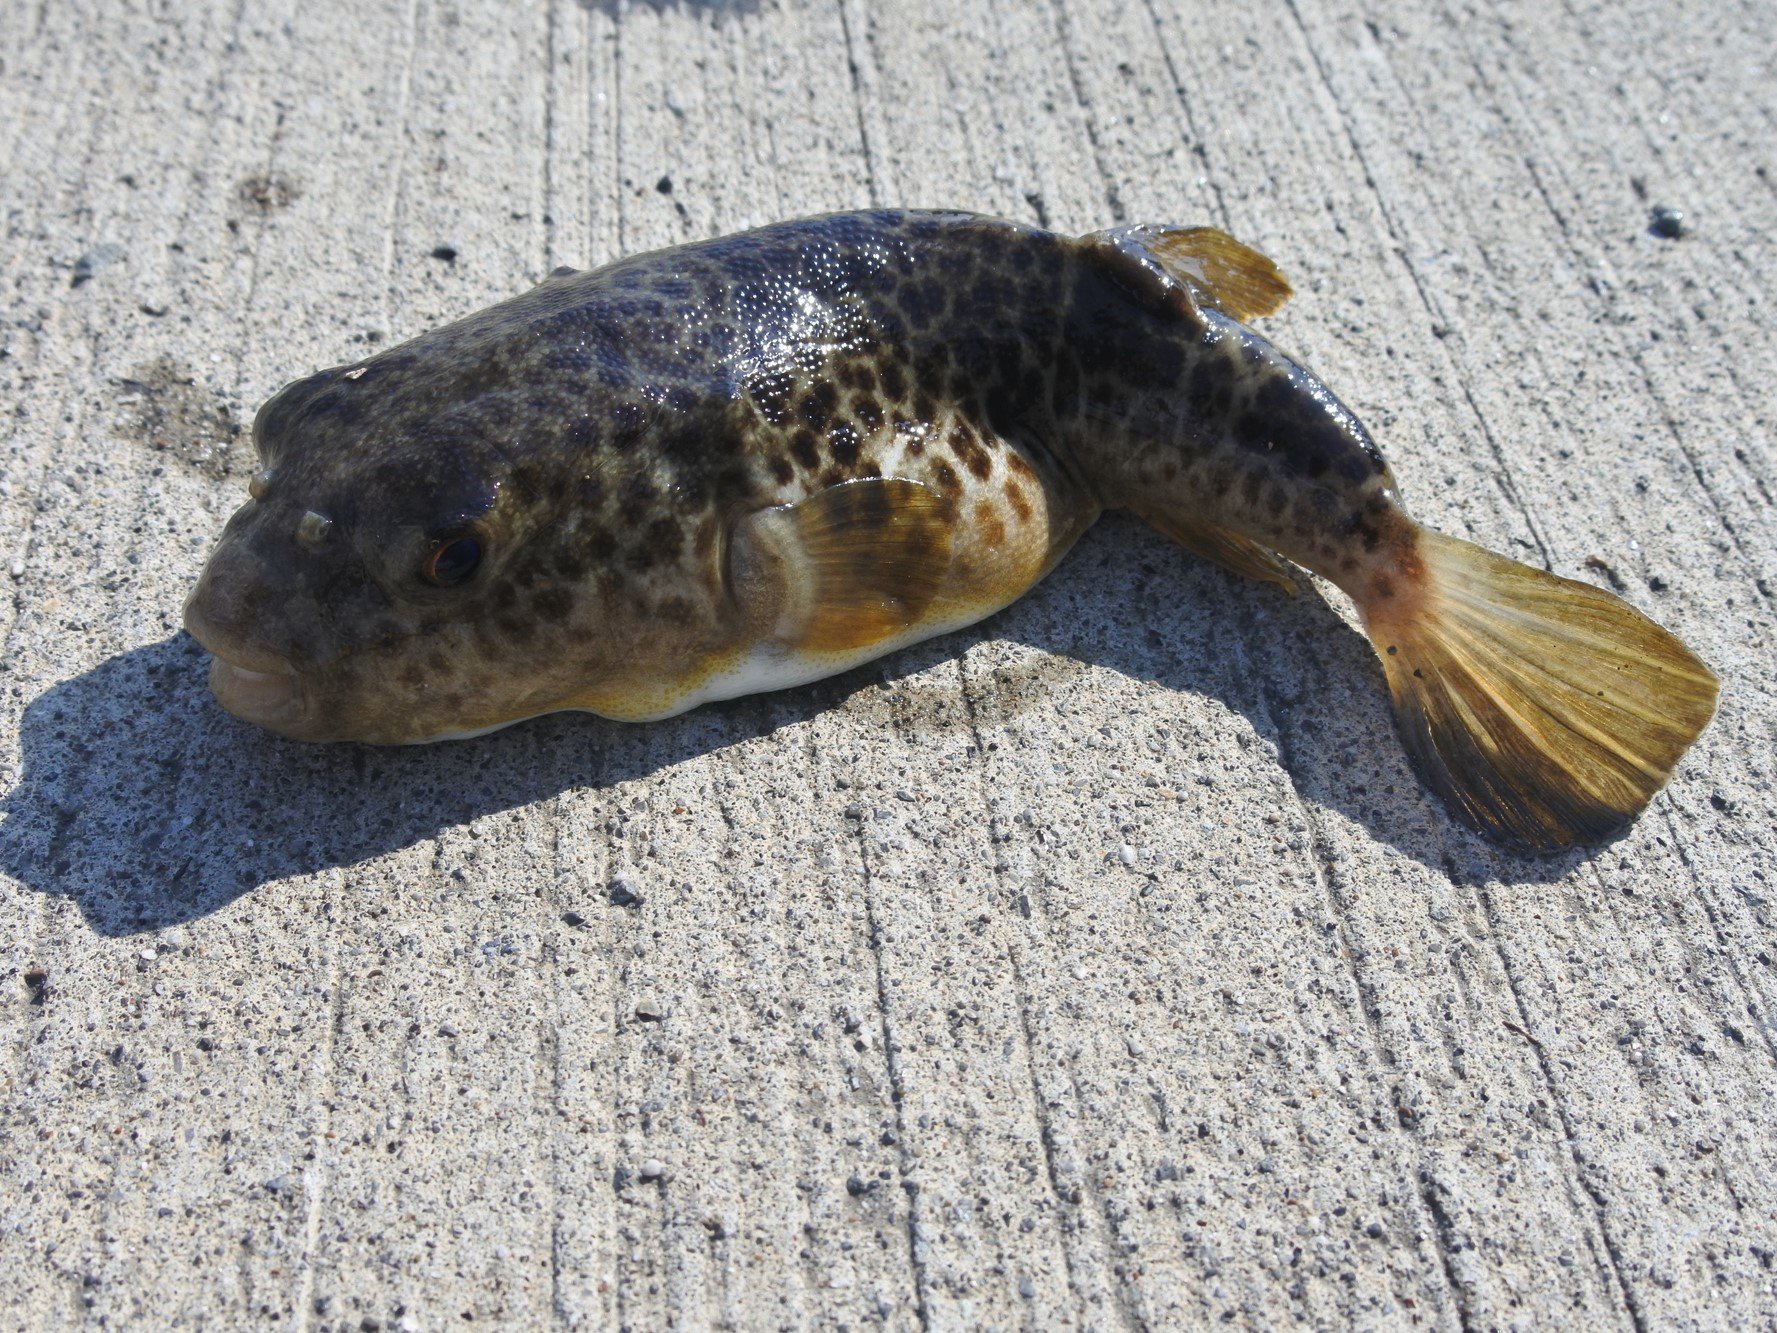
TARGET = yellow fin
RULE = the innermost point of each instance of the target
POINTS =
(854, 565)
(1235, 278)
(1545, 712)
(1227, 549)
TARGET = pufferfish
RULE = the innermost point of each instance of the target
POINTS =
(750, 462)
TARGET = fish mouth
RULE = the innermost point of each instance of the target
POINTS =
(270, 699)
(256, 687)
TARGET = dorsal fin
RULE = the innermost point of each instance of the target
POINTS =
(853, 565)
(1220, 272)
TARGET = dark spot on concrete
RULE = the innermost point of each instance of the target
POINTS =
(90, 264)
(664, 185)
(269, 192)
(165, 409)
(1666, 222)
(448, 253)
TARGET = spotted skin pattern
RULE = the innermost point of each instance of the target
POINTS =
(605, 437)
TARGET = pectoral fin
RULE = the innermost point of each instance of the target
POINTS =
(854, 565)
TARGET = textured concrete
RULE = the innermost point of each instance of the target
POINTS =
(1101, 967)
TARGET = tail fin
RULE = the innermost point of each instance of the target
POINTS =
(1545, 712)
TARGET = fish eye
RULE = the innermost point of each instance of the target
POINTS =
(451, 562)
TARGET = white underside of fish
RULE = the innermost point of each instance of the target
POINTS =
(768, 666)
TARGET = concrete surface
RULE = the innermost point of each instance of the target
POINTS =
(1102, 967)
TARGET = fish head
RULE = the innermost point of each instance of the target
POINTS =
(386, 581)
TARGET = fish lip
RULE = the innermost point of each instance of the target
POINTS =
(257, 687)
(269, 699)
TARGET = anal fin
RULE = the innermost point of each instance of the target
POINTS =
(1226, 548)
(851, 566)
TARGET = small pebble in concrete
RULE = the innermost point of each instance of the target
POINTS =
(653, 1168)
(648, 1009)
(1666, 222)
(90, 264)
(623, 891)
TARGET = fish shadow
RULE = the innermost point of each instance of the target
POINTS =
(144, 804)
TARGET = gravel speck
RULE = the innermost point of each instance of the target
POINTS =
(90, 264)
(1666, 222)
(653, 1168)
(1126, 854)
(623, 891)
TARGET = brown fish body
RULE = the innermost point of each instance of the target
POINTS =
(754, 461)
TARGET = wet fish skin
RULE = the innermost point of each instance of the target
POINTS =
(602, 432)
(752, 461)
